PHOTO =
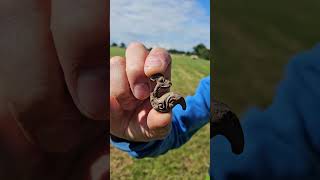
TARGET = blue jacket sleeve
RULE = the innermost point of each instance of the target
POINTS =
(184, 125)
(283, 141)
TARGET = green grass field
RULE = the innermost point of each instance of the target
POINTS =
(253, 41)
(191, 161)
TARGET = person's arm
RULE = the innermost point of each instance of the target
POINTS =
(184, 125)
(283, 141)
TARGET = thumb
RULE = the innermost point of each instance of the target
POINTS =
(89, 88)
(86, 79)
(159, 124)
(80, 38)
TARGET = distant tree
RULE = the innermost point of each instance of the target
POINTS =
(188, 53)
(114, 44)
(123, 45)
(174, 51)
(202, 51)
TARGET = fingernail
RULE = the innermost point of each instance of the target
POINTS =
(152, 63)
(92, 92)
(141, 91)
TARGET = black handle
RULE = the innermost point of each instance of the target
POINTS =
(228, 126)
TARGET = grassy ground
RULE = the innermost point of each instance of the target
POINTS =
(191, 161)
(253, 41)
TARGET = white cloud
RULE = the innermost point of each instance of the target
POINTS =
(179, 24)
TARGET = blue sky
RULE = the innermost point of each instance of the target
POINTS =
(206, 5)
(179, 24)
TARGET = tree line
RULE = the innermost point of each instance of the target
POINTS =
(199, 50)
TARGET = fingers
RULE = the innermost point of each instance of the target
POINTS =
(120, 88)
(132, 119)
(136, 54)
(148, 125)
(140, 65)
(158, 61)
(159, 124)
(26, 51)
(29, 71)
(80, 33)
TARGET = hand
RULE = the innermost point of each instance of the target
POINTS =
(53, 83)
(132, 117)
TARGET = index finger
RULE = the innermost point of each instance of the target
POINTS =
(136, 54)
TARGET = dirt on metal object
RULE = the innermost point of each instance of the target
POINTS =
(164, 102)
(224, 122)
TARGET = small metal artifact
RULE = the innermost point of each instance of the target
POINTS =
(164, 102)
(224, 122)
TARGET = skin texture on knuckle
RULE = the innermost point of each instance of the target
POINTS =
(134, 70)
(135, 58)
(126, 101)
